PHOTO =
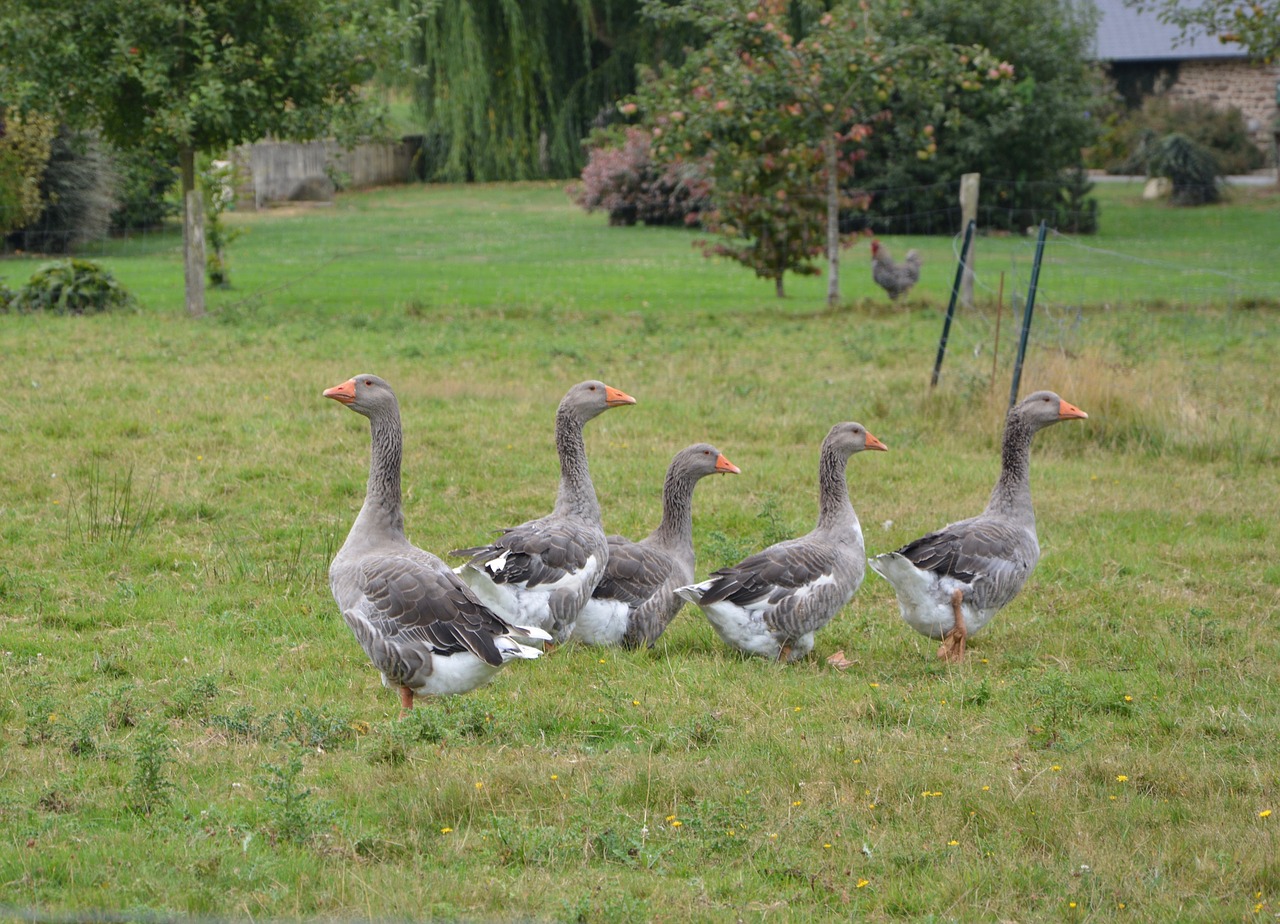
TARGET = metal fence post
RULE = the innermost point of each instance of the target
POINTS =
(1026, 314)
(951, 307)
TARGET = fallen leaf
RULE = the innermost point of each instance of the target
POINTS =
(839, 661)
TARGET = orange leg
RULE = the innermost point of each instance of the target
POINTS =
(952, 647)
(406, 699)
(785, 654)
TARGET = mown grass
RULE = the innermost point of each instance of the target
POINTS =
(188, 727)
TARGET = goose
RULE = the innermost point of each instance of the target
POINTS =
(951, 582)
(772, 603)
(636, 600)
(420, 625)
(542, 572)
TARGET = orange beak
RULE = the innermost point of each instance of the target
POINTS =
(614, 398)
(873, 443)
(724, 465)
(344, 393)
(1068, 411)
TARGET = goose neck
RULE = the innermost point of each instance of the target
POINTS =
(382, 503)
(676, 528)
(576, 494)
(1011, 496)
(834, 507)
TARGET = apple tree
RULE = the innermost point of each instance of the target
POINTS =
(779, 111)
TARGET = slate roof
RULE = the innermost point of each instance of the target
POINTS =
(1124, 34)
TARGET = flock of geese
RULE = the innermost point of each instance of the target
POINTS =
(432, 630)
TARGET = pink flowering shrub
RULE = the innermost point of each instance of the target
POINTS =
(625, 182)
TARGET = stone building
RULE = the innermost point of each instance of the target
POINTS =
(1144, 57)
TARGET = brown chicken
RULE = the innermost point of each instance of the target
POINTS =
(894, 278)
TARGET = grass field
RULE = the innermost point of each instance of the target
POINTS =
(188, 728)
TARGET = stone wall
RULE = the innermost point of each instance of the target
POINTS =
(1251, 88)
(279, 171)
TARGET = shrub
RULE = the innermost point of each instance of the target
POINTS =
(1222, 132)
(24, 151)
(623, 180)
(145, 183)
(78, 192)
(1191, 169)
(72, 287)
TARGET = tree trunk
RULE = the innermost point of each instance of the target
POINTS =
(833, 223)
(192, 234)
(777, 286)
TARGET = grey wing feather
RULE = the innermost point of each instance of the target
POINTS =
(412, 602)
(534, 555)
(634, 573)
(775, 572)
(992, 556)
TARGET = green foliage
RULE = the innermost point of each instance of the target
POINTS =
(77, 192)
(72, 287)
(150, 787)
(217, 188)
(1191, 168)
(1026, 140)
(203, 77)
(293, 814)
(24, 152)
(510, 90)
(146, 191)
(1220, 131)
(783, 120)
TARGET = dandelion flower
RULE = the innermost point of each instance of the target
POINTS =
(555, 776)
(677, 823)
(1055, 768)
(635, 702)
(863, 883)
(1128, 698)
(446, 830)
(1121, 778)
(1265, 813)
(826, 846)
(797, 709)
(875, 685)
(1071, 904)
(797, 802)
(953, 843)
(986, 789)
(671, 818)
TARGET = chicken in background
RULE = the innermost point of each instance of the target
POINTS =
(894, 278)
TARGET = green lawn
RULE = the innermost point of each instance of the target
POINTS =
(187, 726)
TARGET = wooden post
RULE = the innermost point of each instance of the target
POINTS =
(968, 213)
(192, 233)
(833, 224)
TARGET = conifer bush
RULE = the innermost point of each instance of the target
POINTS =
(71, 287)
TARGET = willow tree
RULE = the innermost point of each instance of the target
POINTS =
(179, 77)
(508, 90)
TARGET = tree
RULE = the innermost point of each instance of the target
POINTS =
(24, 151)
(782, 121)
(509, 90)
(1029, 136)
(1253, 25)
(180, 77)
